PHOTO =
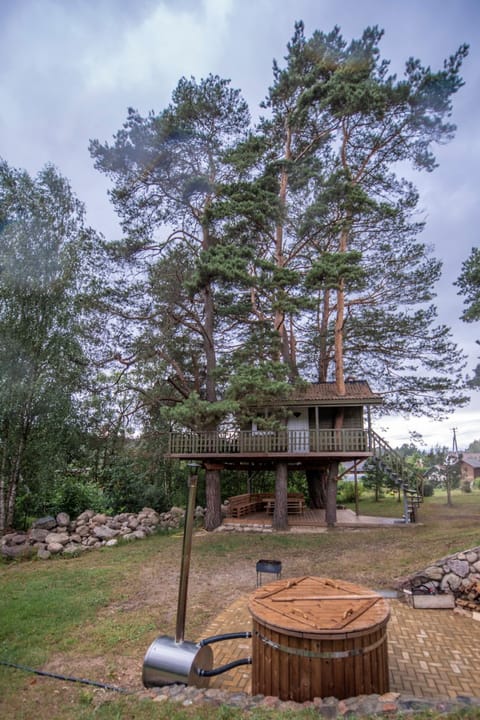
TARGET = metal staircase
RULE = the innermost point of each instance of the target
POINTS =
(404, 477)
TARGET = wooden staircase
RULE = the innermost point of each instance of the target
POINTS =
(404, 477)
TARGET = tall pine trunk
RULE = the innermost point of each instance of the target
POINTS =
(331, 507)
(213, 515)
(280, 514)
(317, 488)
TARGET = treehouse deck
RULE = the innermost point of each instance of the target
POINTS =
(290, 446)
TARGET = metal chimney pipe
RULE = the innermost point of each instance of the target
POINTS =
(186, 553)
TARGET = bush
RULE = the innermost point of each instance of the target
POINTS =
(466, 486)
(74, 494)
(428, 489)
(346, 491)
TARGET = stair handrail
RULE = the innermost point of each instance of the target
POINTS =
(380, 448)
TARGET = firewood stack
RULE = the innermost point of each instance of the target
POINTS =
(470, 597)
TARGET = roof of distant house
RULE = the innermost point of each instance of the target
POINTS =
(472, 459)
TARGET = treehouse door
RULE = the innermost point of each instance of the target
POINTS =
(298, 431)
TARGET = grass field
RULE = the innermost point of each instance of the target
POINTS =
(95, 616)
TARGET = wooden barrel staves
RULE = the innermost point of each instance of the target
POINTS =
(318, 637)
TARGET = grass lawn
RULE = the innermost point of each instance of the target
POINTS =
(95, 616)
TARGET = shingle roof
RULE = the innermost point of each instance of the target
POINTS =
(357, 392)
(472, 459)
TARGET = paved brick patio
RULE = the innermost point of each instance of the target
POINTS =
(432, 653)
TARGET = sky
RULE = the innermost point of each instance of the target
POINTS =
(69, 69)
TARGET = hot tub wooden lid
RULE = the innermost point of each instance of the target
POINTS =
(318, 606)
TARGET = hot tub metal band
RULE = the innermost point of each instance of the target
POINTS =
(321, 655)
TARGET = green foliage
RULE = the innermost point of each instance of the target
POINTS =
(129, 488)
(46, 258)
(346, 491)
(200, 414)
(374, 478)
(428, 489)
(332, 269)
(73, 493)
(469, 284)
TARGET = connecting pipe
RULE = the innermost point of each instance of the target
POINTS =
(224, 668)
(226, 636)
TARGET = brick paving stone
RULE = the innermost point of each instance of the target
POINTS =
(431, 653)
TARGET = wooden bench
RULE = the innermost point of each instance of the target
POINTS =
(295, 505)
(240, 505)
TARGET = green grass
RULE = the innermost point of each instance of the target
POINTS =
(47, 604)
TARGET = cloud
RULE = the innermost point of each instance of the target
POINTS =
(165, 45)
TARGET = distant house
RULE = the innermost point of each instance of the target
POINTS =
(470, 467)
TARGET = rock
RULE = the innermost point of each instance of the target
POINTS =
(54, 547)
(450, 581)
(60, 538)
(17, 539)
(86, 516)
(46, 523)
(99, 519)
(434, 572)
(104, 532)
(73, 548)
(38, 535)
(63, 518)
(114, 524)
(121, 518)
(459, 567)
(43, 554)
(111, 543)
(12, 552)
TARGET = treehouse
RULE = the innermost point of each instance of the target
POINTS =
(321, 426)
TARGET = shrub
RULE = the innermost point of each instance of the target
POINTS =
(346, 491)
(74, 494)
(466, 486)
(428, 489)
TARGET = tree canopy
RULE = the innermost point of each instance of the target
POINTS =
(469, 286)
(292, 246)
(256, 256)
(44, 261)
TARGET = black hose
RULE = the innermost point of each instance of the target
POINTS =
(224, 668)
(104, 686)
(226, 636)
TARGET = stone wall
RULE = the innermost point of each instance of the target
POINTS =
(62, 536)
(453, 573)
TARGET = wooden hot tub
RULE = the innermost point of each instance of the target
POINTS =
(317, 637)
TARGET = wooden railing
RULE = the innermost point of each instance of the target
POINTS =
(283, 441)
(407, 479)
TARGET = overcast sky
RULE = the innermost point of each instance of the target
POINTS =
(69, 69)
